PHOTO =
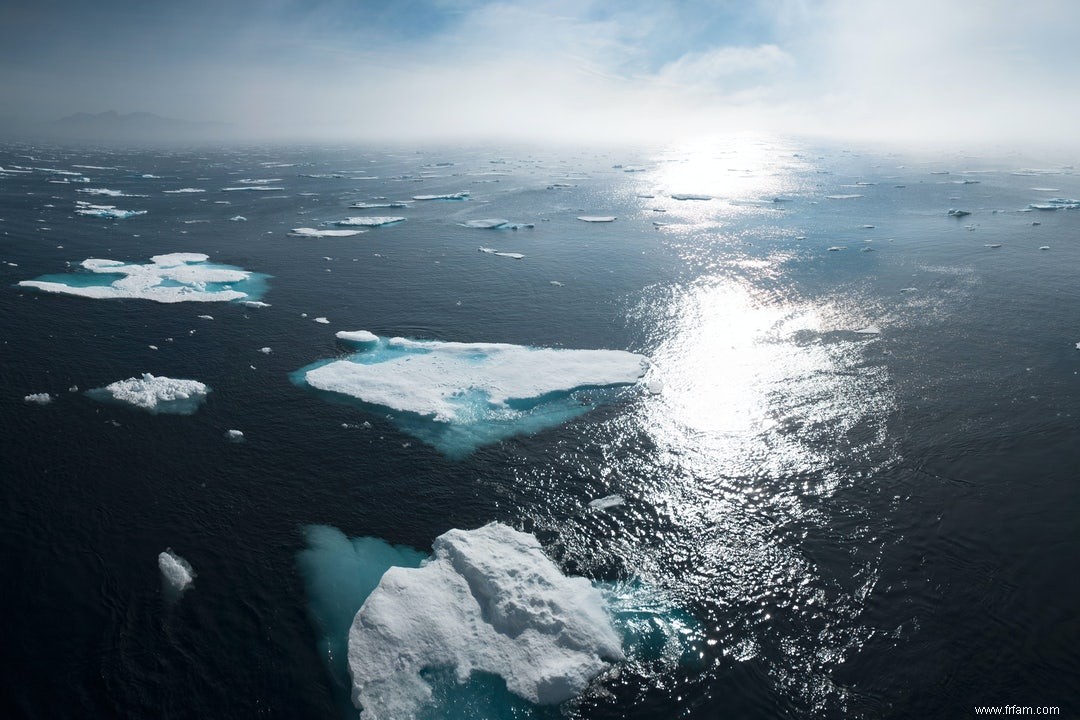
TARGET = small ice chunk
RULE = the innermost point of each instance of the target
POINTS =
(556, 283)
(238, 218)
(206, 317)
(110, 212)
(263, 188)
(953, 212)
(38, 398)
(607, 502)
(655, 387)
(836, 248)
(378, 205)
(265, 350)
(234, 435)
(869, 330)
(184, 190)
(843, 197)
(322, 321)
(992, 245)
(690, 196)
(315, 232)
(175, 570)
(1044, 247)
(254, 304)
(597, 218)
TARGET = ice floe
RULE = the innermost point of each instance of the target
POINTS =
(1056, 204)
(110, 212)
(843, 197)
(493, 251)
(175, 571)
(257, 188)
(368, 221)
(690, 196)
(357, 336)
(238, 218)
(156, 394)
(184, 190)
(607, 502)
(597, 218)
(38, 398)
(234, 435)
(490, 601)
(869, 330)
(448, 196)
(170, 278)
(457, 395)
(378, 205)
(322, 321)
(495, 224)
(254, 304)
(953, 212)
(106, 192)
(315, 232)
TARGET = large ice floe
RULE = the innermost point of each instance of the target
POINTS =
(171, 278)
(457, 396)
(155, 394)
(486, 626)
(315, 232)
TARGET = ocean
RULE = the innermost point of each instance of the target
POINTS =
(848, 475)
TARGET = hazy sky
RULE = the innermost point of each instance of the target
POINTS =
(979, 70)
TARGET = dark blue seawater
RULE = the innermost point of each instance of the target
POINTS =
(858, 525)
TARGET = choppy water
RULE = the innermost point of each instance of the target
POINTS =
(861, 525)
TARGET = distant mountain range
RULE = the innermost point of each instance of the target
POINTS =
(112, 126)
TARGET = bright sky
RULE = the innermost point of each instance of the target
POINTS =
(978, 70)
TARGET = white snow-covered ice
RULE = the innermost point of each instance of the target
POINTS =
(493, 251)
(597, 218)
(607, 502)
(368, 221)
(170, 278)
(175, 570)
(489, 600)
(110, 212)
(156, 394)
(316, 233)
(38, 398)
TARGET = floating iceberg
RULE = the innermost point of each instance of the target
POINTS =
(105, 211)
(450, 196)
(597, 218)
(368, 221)
(487, 601)
(457, 396)
(492, 251)
(175, 277)
(314, 232)
(175, 571)
(38, 398)
(155, 394)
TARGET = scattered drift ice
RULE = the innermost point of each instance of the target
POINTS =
(176, 277)
(110, 212)
(156, 394)
(457, 396)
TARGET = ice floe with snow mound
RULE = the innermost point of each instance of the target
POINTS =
(315, 232)
(156, 394)
(170, 278)
(368, 221)
(495, 224)
(457, 396)
(110, 212)
(490, 601)
(448, 196)
(176, 574)
(487, 626)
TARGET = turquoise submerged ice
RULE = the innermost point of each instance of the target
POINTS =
(457, 396)
(486, 627)
(171, 278)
